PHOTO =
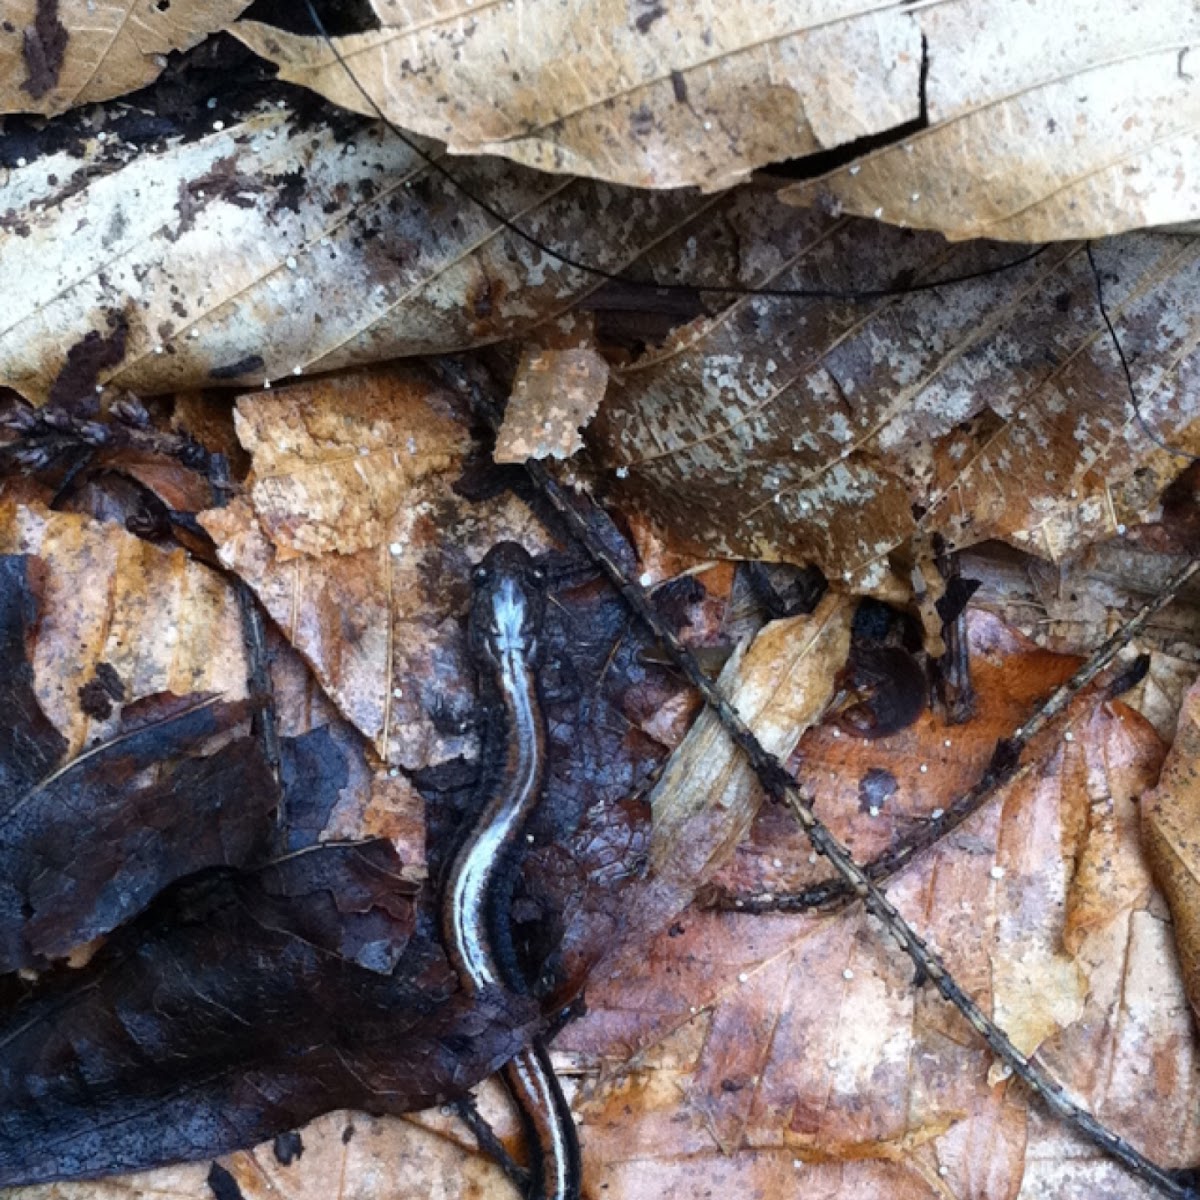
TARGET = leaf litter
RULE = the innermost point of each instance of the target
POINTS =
(1106, 878)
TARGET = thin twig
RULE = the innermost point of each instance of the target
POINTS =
(779, 784)
(1003, 770)
(490, 1144)
(265, 725)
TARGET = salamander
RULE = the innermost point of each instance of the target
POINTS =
(504, 630)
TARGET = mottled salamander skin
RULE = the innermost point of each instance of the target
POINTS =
(507, 608)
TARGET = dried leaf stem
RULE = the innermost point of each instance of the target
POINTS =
(778, 783)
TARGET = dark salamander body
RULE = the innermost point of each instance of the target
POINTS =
(505, 629)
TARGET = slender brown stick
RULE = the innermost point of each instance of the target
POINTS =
(779, 784)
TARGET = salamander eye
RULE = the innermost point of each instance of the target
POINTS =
(539, 575)
(479, 574)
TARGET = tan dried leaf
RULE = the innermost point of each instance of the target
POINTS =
(708, 795)
(358, 547)
(838, 434)
(554, 395)
(160, 620)
(55, 56)
(1171, 829)
(274, 247)
(1050, 120)
(643, 94)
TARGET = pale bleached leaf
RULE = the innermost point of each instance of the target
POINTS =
(274, 246)
(555, 394)
(57, 55)
(1048, 120)
(639, 93)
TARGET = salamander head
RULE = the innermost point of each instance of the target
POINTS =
(508, 604)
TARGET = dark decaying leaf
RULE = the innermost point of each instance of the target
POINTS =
(235, 1010)
(837, 434)
(87, 843)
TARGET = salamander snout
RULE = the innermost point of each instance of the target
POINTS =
(508, 604)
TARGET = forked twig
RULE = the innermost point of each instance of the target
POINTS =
(1003, 769)
(780, 785)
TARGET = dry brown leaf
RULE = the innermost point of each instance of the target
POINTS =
(792, 1055)
(554, 395)
(57, 55)
(359, 549)
(275, 246)
(1171, 828)
(1053, 120)
(162, 622)
(643, 94)
(813, 432)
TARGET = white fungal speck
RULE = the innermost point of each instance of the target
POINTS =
(776, 863)
(218, 126)
(878, 213)
(266, 385)
(297, 370)
(874, 810)
(529, 838)
(997, 872)
(159, 350)
(393, 772)
(707, 126)
(915, 197)
(855, 168)
(395, 549)
(847, 974)
(622, 472)
(195, 333)
(812, 858)
(797, 1163)
(924, 768)
(946, 742)
(1121, 530)
(742, 977)
(397, 693)
(21, 162)
(938, 814)
(837, 733)
(290, 262)
(1068, 736)
(645, 579)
